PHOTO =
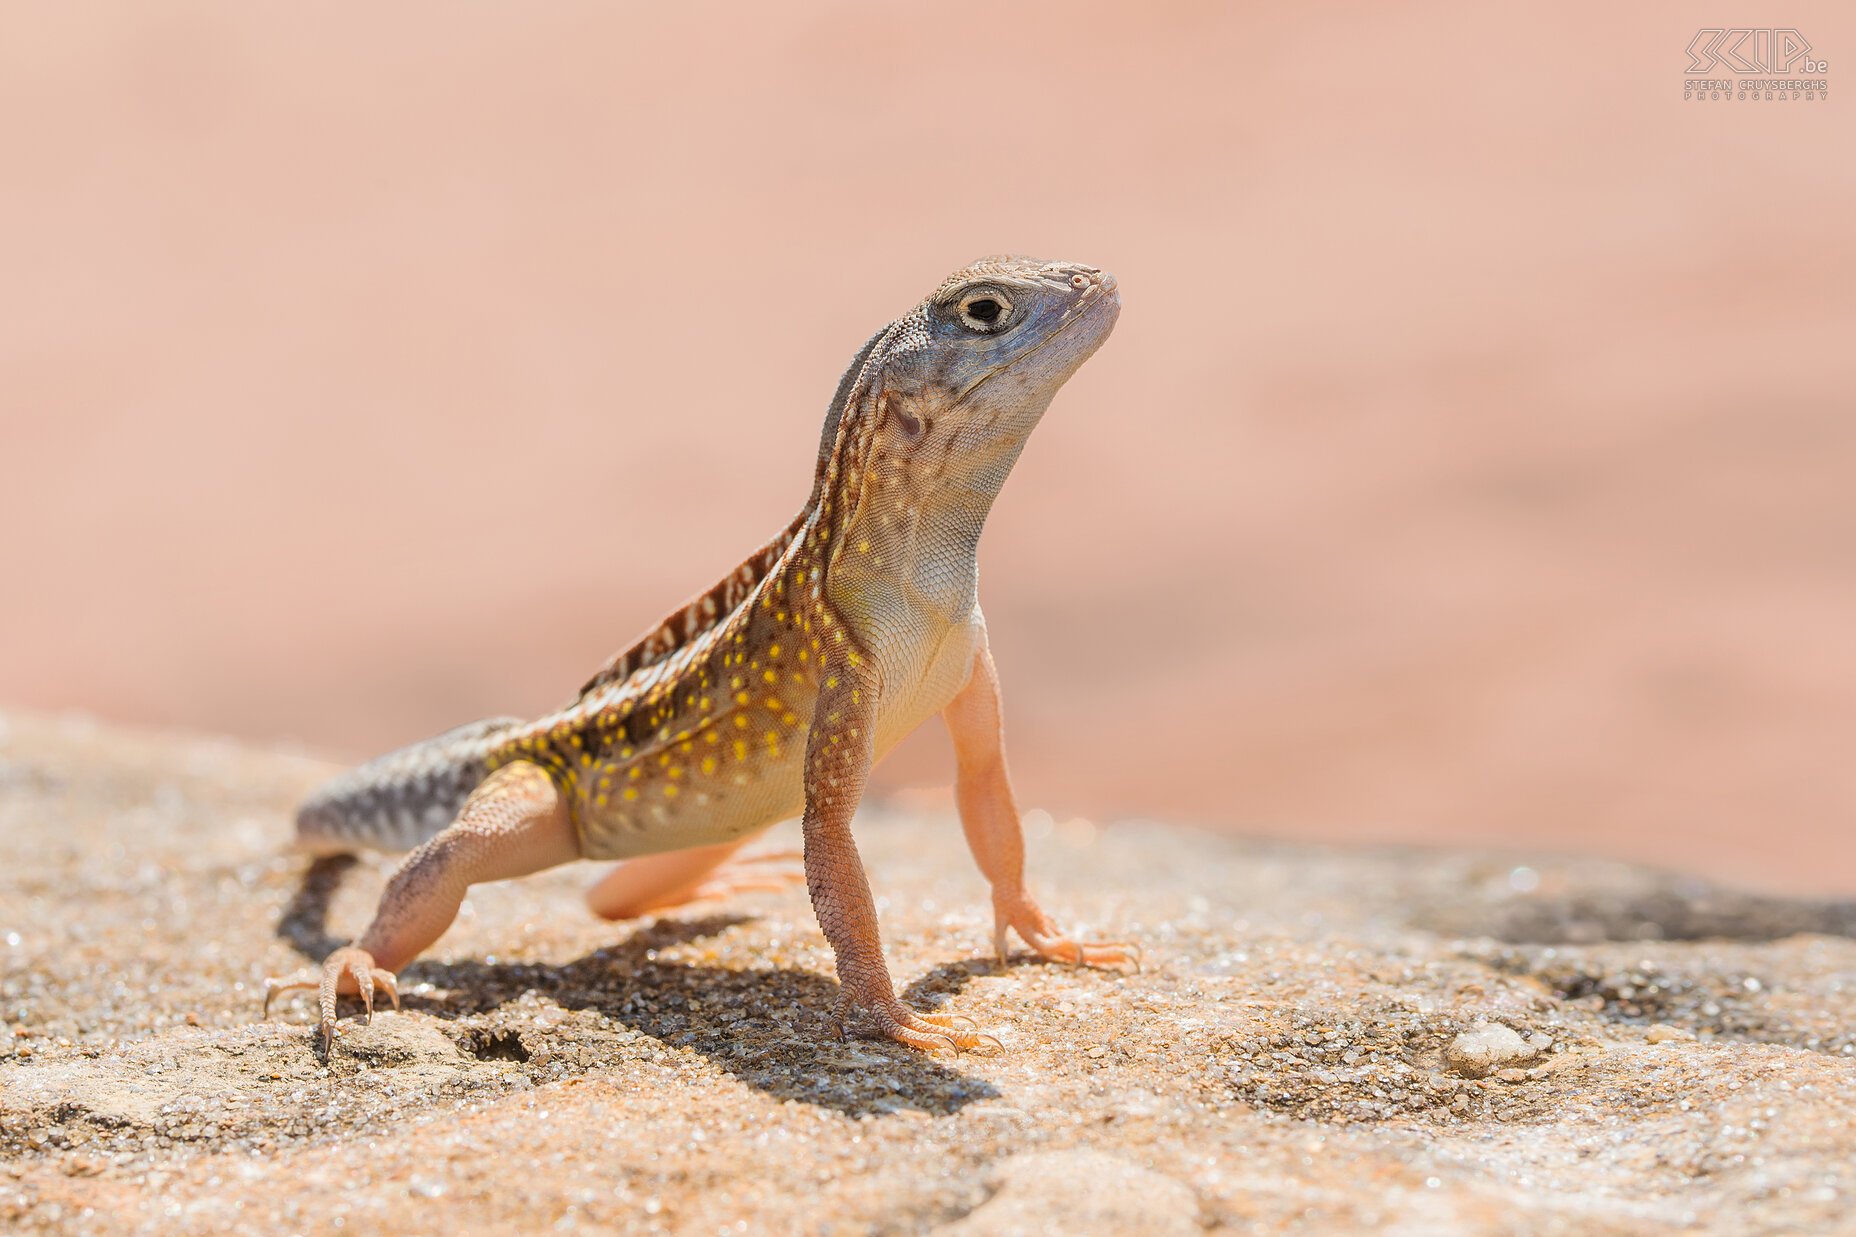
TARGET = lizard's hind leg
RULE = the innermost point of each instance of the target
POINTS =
(661, 882)
(515, 823)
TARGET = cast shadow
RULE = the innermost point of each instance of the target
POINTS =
(770, 1028)
(1673, 911)
(305, 922)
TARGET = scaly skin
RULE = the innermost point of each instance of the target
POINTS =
(772, 694)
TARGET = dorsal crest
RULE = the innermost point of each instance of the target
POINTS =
(710, 609)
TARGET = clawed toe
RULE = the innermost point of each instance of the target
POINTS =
(931, 1032)
(752, 874)
(1105, 953)
(1085, 953)
(272, 987)
(1042, 934)
(347, 966)
(948, 1020)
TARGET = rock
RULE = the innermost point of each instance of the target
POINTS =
(1486, 1048)
(684, 1075)
(1080, 1194)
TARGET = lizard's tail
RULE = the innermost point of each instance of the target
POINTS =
(396, 801)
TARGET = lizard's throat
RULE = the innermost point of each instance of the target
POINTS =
(913, 528)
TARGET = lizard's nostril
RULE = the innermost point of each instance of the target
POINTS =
(1079, 281)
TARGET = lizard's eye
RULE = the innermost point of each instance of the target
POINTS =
(985, 311)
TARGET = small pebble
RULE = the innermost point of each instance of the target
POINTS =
(1486, 1048)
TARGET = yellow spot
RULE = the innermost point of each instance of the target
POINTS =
(791, 719)
(741, 749)
(631, 792)
(712, 736)
(735, 682)
(741, 721)
(670, 792)
(708, 764)
(832, 681)
(742, 697)
(773, 650)
(664, 759)
(863, 547)
(599, 801)
(770, 676)
(625, 753)
(802, 657)
(772, 737)
(676, 771)
(636, 773)
(705, 704)
(773, 703)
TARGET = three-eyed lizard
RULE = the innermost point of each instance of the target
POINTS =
(771, 694)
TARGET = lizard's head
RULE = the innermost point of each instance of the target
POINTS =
(1000, 334)
(949, 392)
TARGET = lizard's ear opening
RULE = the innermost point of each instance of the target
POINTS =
(910, 426)
(986, 310)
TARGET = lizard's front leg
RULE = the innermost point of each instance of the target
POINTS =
(989, 817)
(515, 823)
(838, 755)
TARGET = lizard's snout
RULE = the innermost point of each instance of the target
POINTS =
(1089, 279)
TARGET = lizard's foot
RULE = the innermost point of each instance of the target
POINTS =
(662, 882)
(347, 970)
(930, 1032)
(1048, 940)
(772, 872)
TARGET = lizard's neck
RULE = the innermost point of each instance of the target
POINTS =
(905, 535)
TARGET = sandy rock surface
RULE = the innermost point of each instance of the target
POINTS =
(1685, 1063)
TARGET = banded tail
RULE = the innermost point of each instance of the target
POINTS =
(397, 801)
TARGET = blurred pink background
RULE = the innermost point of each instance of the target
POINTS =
(1475, 460)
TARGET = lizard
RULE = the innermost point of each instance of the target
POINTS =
(772, 694)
